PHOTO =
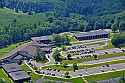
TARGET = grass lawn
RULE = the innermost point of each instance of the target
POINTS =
(111, 55)
(5, 76)
(7, 16)
(4, 51)
(104, 76)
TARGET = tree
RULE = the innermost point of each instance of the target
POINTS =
(59, 39)
(63, 48)
(40, 55)
(118, 40)
(95, 56)
(122, 26)
(56, 55)
(75, 66)
(65, 65)
(69, 56)
(114, 27)
(2, 80)
(67, 75)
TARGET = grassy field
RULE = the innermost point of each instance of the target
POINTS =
(104, 76)
(7, 16)
(5, 76)
(4, 51)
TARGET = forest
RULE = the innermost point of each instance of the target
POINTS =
(22, 19)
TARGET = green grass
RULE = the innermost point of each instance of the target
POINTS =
(104, 76)
(112, 55)
(7, 16)
(4, 51)
(5, 76)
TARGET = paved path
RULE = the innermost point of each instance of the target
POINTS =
(50, 58)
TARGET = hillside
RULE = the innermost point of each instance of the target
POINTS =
(7, 16)
(65, 7)
(16, 27)
(21, 20)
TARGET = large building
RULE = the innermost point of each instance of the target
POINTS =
(44, 43)
(17, 57)
(91, 35)
(16, 73)
(42, 39)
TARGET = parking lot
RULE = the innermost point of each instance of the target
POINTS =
(102, 52)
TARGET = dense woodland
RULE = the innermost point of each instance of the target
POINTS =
(65, 7)
(27, 18)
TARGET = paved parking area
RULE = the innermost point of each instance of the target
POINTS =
(102, 52)
(52, 73)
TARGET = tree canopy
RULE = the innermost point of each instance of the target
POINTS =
(56, 55)
(118, 40)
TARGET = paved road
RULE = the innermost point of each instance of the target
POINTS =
(96, 70)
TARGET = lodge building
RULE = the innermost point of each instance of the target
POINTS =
(16, 73)
(44, 43)
(42, 39)
(92, 35)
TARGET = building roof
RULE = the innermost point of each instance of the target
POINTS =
(15, 72)
(40, 38)
(18, 57)
(20, 75)
(43, 45)
(94, 33)
(13, 67)
(46, 49)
